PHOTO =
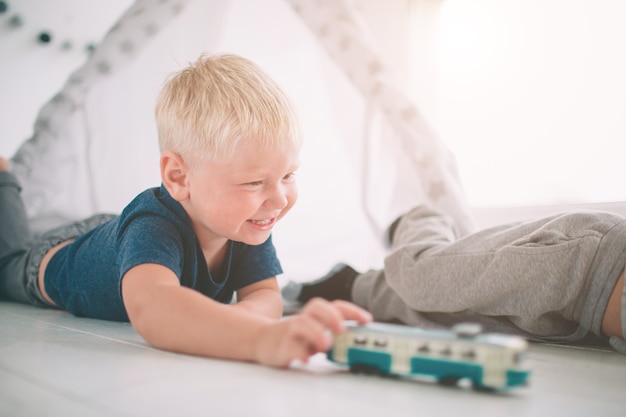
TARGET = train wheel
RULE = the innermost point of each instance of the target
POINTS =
(359, 368)
(448, 381)
(482, 388)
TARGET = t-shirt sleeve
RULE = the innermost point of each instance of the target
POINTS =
(150, 239)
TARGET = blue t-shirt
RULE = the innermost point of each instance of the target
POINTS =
(85, 276)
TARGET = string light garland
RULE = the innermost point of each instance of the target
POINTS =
(44, 37)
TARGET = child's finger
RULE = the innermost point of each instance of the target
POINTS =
(293, 338)
(326, 313)
(350, 311)
(333, 314)
(308, 331)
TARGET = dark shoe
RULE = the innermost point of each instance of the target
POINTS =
(335, 285)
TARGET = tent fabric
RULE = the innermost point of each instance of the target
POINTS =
(337, 28)
(61, 133)
(94, 143)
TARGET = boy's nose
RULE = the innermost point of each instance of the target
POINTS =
(278, 199)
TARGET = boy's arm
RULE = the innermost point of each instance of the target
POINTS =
(263, 298)
(179, 319)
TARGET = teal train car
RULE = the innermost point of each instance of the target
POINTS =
(491, 361)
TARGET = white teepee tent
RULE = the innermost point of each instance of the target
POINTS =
(368, 155)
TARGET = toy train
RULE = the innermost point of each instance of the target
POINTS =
(492, 362)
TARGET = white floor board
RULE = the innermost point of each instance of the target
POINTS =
(54, 364)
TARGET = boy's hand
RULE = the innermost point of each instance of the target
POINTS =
(307, 333)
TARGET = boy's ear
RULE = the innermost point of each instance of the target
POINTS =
(174, 174)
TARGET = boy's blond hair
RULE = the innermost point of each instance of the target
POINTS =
(204, 111)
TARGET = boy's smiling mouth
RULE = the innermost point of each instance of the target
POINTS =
(265, 223)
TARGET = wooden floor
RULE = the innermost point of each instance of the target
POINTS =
(54, 364)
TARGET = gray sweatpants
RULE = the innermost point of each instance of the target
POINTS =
(548, 279)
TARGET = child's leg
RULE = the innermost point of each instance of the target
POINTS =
(425, 227)
(623, 312)
(419, 231)
(612, 322)
(15, 232)
(15, 238)
(420, 226)
(551, 277)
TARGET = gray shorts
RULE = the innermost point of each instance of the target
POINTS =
(20, 252)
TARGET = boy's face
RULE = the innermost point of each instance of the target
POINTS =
(242, 198)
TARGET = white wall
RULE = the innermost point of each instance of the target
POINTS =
(531, 99)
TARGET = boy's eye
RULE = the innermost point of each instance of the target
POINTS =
(289, 177)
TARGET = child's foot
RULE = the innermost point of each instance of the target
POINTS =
(5, 165)
(335, 285)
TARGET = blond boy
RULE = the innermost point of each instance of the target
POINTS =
(176, 255)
